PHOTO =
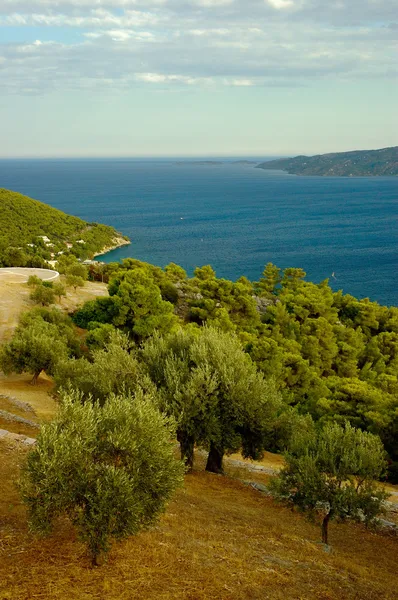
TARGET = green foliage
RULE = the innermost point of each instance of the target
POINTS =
(270, 279)
(11, 256)
(141, 308)
(112, 369)
(77, 270)
(175, 273)
(65, 262)
(210, 385)
(99, 335)
(135, 304)
(331, 356)
(224, 304)
(332, 471)
(23, 221)
(43, 295)
(59, 290)
(74, 281)
(109, 469)
(35, 347)
(101, 310)
(34, 280)
(57, 318)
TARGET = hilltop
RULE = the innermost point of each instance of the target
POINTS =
(358, 163)
(32, 232)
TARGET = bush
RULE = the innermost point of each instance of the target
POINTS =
(110, 469)
(332, 471)
(43, 295)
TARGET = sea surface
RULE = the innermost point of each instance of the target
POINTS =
(232, 216)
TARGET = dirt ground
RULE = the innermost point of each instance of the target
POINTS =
(14, 300)
(218, 540)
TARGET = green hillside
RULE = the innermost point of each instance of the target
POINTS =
(25, 222)
(359, 163)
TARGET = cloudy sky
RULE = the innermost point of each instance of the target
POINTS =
(197, 77)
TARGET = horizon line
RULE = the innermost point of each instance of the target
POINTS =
(145, 156)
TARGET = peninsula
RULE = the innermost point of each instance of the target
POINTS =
(358, 163)
(33, 233)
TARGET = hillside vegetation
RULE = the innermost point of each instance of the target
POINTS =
(358, 163)
(169, 374)
(32, 232)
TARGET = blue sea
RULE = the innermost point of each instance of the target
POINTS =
(232, 216)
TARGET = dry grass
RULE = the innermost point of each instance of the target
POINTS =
(14, 300)
(90, 291)
(37, 396)
(219, 539)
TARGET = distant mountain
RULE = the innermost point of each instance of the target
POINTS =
(358, 163)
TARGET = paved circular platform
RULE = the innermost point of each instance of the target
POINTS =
(22, 274)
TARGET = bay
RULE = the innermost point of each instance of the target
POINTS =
(230, 215)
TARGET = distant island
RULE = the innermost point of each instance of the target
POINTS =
(215, 163)
(357, 163)
(199, 162)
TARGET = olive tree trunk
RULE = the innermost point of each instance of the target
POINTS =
(187, 443)
(325, 525)
(35, 377)
(214, 460)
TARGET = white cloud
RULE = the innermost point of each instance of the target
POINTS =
(96, 18)
(280, 4)
(240, 82)
(173, 78)
(208, 32)
(237, 43)
(214, 3)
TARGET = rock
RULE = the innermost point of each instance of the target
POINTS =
(388, 525)
(262, 304)
(17, 437)
(15, 419)
(18, 403)
(252, 466)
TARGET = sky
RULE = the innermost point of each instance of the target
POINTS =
(197, 77)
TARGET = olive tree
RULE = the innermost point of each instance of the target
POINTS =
(332, 472)
(74, 281)
(35, 347)
(111, 369)
(43, 295)
(213, 389)
(110, 469)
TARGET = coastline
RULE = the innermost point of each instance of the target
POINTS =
(118, 243)
(335, 175)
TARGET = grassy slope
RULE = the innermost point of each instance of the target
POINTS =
(218, 539)
(23, 219)
(356, 163)
(26, 219)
